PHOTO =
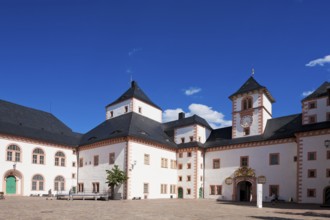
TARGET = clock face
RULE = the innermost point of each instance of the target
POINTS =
(246, 121)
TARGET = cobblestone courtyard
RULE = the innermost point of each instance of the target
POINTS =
(40, 208)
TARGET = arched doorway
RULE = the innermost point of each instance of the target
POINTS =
(244, 191)
(327, 196)
(11, 185)
(180, 193)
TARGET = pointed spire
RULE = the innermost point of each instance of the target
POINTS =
(252, 72)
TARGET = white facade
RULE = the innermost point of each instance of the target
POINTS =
(25, 169)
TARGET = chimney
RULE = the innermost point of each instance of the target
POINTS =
(181, 115)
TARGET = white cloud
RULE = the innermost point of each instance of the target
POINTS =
(214, 118)
(307, 93)
(130, 53)
(171, 114)
(192, 90)
(319, 61)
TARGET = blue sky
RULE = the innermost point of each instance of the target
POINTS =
(74, 57)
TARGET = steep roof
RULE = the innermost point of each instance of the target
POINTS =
(319, 92)
(251, 85)
(134, 92)
(195, 119)
(276, 128)
(31, 123)
(128, 125)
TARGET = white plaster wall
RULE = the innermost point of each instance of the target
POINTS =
(49, 171)
(283, 174)
(90, 173)
(152, 174)
(147, 110)
(118, 109)
(203, 132)
(266, 103)
(315, 144)
(199, 172)
(265, 118)
(184, 132)
(184, 172)
(320, 111)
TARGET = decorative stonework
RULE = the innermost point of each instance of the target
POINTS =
(262, 179)
(244, 172)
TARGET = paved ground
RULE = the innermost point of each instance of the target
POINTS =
(40, 208)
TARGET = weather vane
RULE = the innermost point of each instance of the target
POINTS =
(252, 72)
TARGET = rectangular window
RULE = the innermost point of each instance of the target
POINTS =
(191, 138)
(73, 164)
(188, 154)
(328, 173)
(180, 166)
(188, 165)
(112, 158)
(219, 190)
(63, 162)
(311, 193)
(164, 163)
(311, 156)
(182, 140)
(80, 187)
(163, 189)
(274, 159)
(173, 164)
(57, 161)
(146, 188)
(180, 178)
(140, 110)
(111, 114)
(212, 190)
(126, 109)
(245, 161)
(312, 105)
(81, 162)
(17, 157)
(35, 159)
(41, 186)
(273, 190)
(147, 159)
(172, 189)
(216, 163)
(42, 159)
(201, 166)
(96, 160)
(328, 155)
(73, 176)
(312, 119)
(180, 155)
(188, 178)
(188, 191)
(311, 173)
(34, 185)
(9, 156)
(201, 178)
(96, 187)
(246, 131)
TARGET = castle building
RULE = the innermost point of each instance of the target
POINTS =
(185, 158)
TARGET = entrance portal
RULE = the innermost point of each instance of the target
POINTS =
(327, 196)
(11, 185)
(244, 191)
(180, 193)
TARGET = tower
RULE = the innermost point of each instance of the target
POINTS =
(252, 107)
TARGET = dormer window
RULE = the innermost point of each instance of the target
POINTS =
(247, 103)
(126, 109)
(140, 110)
(111, 114)
(182, 140)
(312, 105)
(191, 138)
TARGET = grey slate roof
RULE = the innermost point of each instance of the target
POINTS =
(128, 125)
(31, 123)
(319, 92)
(195, 119)
(277, 128)
(251, 85)
(134, 92)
